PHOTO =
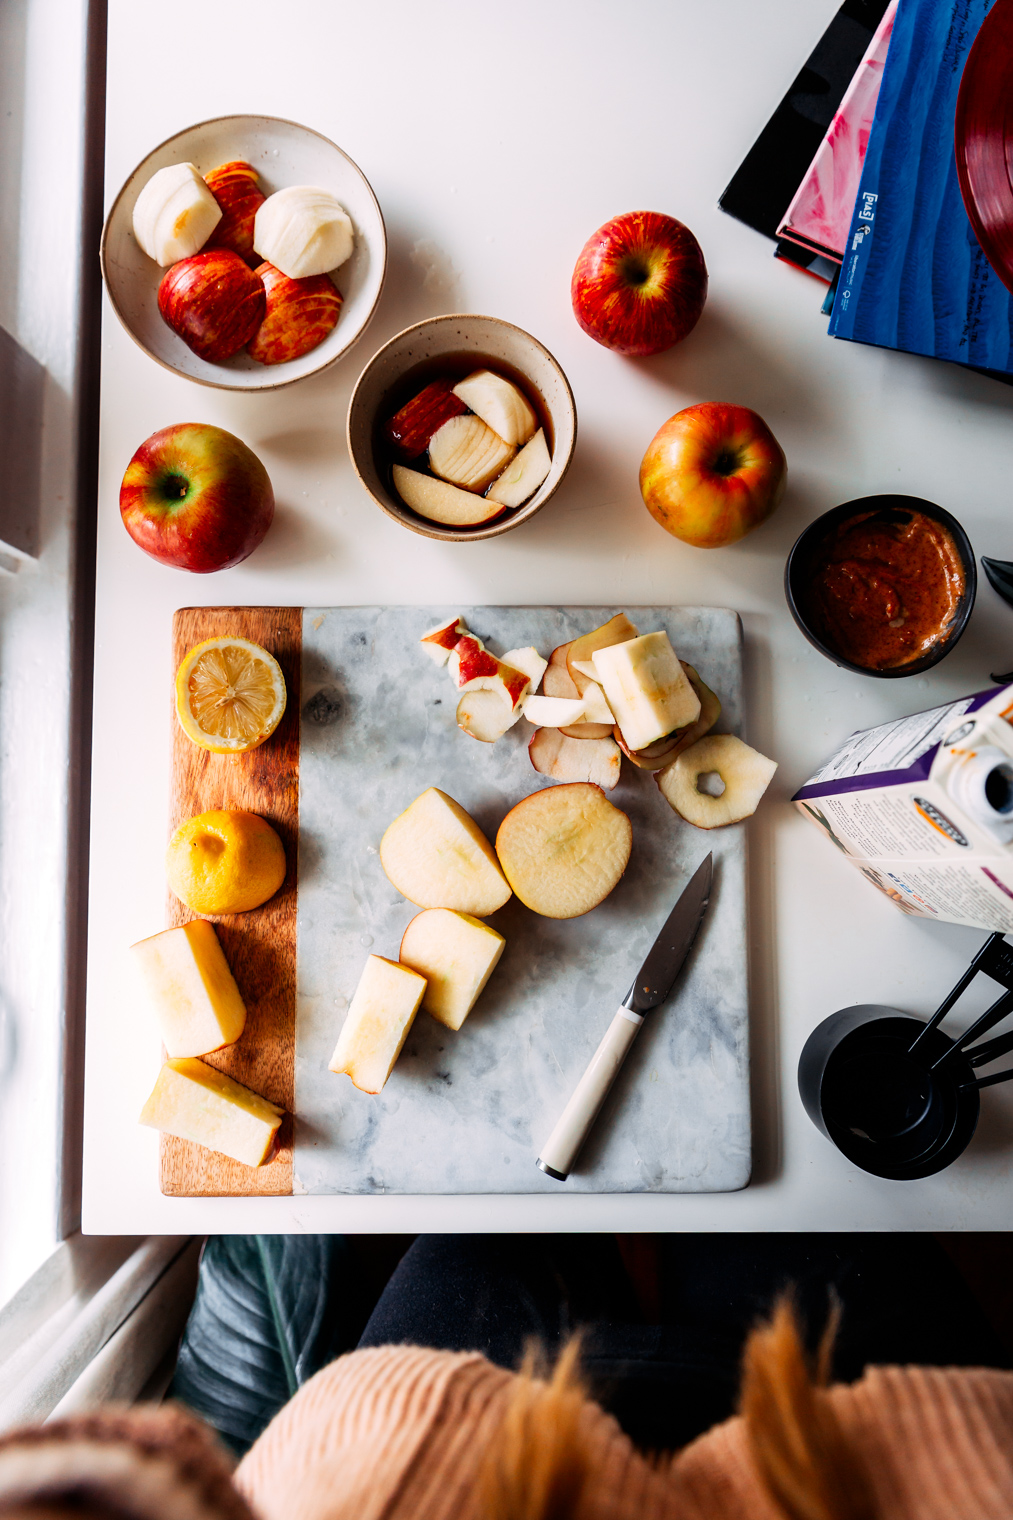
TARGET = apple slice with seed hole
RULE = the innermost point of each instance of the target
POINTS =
(468, 453)
(524, 474)
(528, 660)
(438, 501)
(486, 714)
(501, 405)
(553, 754)
(655, 755)
(553, 712)
(744, 775)
(439, 641)
(617, 630)
(564, 848)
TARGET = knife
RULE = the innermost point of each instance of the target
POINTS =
(652, 987)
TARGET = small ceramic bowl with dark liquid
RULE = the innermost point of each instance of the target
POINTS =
(883, 585)
(450, 348)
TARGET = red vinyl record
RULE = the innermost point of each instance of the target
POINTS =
(983, 138)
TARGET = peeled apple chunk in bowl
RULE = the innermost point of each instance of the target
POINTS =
(303, 230)
(744, 774)
(175, 214)
(564, 849)
(438, 857)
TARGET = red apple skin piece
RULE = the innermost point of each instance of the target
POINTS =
(639, 284)
(235, 187)
(712, 473)
(196, 497)
(214, 302)
(298, 316)
(408, 432)
(471, 661)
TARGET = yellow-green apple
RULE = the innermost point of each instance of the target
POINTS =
(299, 315)
(235, 188)
(410, 429)
(196, 497)
(712, 473)
(213, 301)
(640, 283)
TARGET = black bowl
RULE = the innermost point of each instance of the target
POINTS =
(798, 573)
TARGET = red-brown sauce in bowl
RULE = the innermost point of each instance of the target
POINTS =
(885, 587)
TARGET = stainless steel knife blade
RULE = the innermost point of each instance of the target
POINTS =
(656, 977)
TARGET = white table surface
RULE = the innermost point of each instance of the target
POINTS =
(496, 142)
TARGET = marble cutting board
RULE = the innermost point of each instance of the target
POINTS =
(466, 1112)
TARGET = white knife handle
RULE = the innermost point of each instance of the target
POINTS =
(560, 1150)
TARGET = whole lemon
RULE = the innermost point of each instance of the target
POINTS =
(225, 861)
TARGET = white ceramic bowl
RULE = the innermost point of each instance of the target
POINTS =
(283, 153)
(488, 338)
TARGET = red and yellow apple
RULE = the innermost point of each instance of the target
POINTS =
(235, 188)
(712, 473)
(640, 283)
(196, 497)
(213, 301)
(299, 315)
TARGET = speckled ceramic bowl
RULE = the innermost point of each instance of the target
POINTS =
(490, 339)
(283, 153)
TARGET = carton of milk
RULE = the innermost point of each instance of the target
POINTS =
(924, 808)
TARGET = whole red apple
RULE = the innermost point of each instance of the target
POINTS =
(299, 315)
(214, 301)
(640, 283)
(235, 188)
(196, 497)
(712, 473)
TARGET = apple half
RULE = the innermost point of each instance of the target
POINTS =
(438, 857)
(744, 772)
(564, 849)
(553, 754)
(439, 501)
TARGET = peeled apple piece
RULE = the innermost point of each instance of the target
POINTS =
(467, 453)
(499, 403)
(175, 214)
(646, 688)
(376, 1025)
(303, 230)
(745, 772)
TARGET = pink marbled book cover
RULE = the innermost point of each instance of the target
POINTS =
(820, 214)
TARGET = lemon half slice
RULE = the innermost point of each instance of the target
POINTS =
(230, 695)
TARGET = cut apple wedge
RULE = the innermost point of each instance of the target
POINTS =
(438, 857)
(486, 714)
(439, 501)
(563, 849)
(528, 660)
(617, 630)
(468, 453)
(564, 759)
(376, 1025)
(457, 955)
(198, 1102)
(409, 430)
(524, 474)
(194, 995)
(552, 712)
(500, 404)
(647, 688)
(744, 772)
(658, 754)
(439, 641)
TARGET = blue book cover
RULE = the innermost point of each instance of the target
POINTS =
(915, 276)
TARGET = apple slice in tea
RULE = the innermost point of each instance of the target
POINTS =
(501, 405)
(438, 857)
(441, 502)
(564, 849)
(524, 474)
(468, 453)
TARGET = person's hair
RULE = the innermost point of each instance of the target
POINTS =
(537, 1466)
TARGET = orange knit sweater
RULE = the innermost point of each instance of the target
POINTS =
(399, 1433)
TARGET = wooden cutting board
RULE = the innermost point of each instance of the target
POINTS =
(678, 1119)
(259, 946)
